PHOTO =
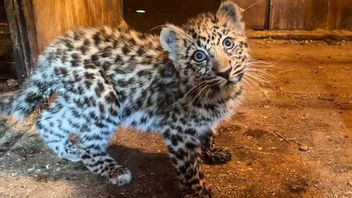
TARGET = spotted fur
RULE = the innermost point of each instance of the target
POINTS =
(180, 84)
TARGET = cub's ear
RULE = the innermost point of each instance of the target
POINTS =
(230, 11)
(169, 37)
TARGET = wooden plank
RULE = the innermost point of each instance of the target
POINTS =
(14, 23)
(23, 32)
(311, 14)
(298, 14)
(28, 14)
(54, 17)
(302, 35)
(339, 14)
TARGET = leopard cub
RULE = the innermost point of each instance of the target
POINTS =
(180, 84)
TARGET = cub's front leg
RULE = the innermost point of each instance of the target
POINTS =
(184, 150)
(211, 154)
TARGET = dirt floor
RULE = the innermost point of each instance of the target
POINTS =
(290, 138)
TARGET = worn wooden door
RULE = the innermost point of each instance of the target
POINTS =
(35, 23)
(54, 17)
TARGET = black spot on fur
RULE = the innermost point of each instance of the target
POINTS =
(89, 75)
(86, 42)
(190, 132)
(118, 59)
(99, 89)
(101, 108)
(168, 71)
(106, 66)
(175, 139)
(144, 73)
(89, 66)
(63, 71)
(88, 84)
(94, 58)
(96, 38)
(190, 146)
(107, 52)
(32, 97)
(125, 50)
(111, 98)
(84, 49)
(140, 52)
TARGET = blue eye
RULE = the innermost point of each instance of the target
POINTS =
(228, 43)
(199, 56)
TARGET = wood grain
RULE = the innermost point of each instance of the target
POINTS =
(311, 14)
(54, 17)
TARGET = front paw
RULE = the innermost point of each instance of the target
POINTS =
(216, 155)
(203, 193)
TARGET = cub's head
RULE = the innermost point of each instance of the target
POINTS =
(210, 47)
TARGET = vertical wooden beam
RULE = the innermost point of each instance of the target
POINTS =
(12, 11)
(29, 23)
(267, 15)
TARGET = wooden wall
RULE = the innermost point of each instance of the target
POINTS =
(54, 17)
(51, 18)
(310, 14)
(261, 14)
(298, 14)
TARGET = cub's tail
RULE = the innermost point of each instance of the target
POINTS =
(34, 92)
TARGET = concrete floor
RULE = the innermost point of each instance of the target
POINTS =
(290, 138)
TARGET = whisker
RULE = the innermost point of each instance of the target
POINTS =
(250, 6)
(259, 61)
(259, 79)
(246, 82)
(260, 72)
(189, 38)
(203, 92)
(257, 76)
(196, 99)
(195, 88)
(252, 84)
(255, 64)
(156, 27)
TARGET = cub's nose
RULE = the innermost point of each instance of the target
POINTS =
(225, 74)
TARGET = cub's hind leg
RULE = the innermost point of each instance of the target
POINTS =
(90, 114)
(55, 131)
(83, 134)
(91, 145)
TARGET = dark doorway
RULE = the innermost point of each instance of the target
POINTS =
(146, 15)
(7, 63)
